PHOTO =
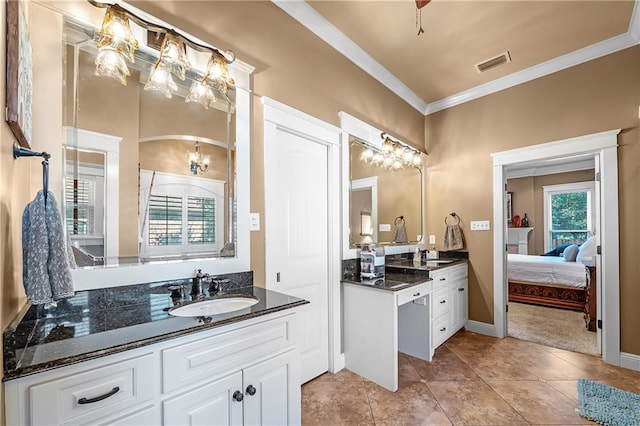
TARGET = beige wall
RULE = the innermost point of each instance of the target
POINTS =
(295, 67)
(596, 96)
(528, 197)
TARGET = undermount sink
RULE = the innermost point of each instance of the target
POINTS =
(213, 307)
(438, 261)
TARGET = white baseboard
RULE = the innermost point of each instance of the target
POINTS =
(481, 328)
(338, 363)
(630, 361)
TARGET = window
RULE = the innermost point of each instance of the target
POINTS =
(181, 216)
(569, 213)
(84, 202)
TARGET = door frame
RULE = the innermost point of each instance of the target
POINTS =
(283, 117)
(603, 145)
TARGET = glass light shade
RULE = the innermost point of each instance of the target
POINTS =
(116, 33)
(193, 157)
(388, 161)
(173, 55)
(366, 155)
(206, 160)
(160, 79)
(396, 165)
(218, 72)
(201, 93)
(417, 161)
(398, 151)
(387, 147)
(110, 63)
(407, 156)
(377, 158)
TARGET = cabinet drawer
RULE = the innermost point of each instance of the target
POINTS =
(440, 302)
(192, 362)
(440, 279)
(440, 330)
(413, 293)
(458, 272)
(88, 397)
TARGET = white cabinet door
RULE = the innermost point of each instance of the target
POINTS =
(460, 303)
(212, 404)
(272, 391)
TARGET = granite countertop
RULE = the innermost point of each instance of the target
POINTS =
(401, 274)
(101, 322)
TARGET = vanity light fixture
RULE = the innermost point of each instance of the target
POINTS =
(392, 155)
(197, 161)
(116, 42)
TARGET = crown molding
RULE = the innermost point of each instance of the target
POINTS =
(320, 26)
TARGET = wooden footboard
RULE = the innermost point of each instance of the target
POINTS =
(572, 298)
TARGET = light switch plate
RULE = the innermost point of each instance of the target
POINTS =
(480, 225)
(384, 227)
(254, 221)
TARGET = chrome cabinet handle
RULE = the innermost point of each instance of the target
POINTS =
(443, 279)
(443, 301)
(112, 392)
(251, 390)
(461, 289)
(237, 396)
(443, 329)
(416, 295)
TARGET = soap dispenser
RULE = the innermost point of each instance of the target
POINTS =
(417, 257)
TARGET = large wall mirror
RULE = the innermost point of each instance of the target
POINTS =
(152, 186)
(375, 197)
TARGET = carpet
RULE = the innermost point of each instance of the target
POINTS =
(607, 405)
(553, 327)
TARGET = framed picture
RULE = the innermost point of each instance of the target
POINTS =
(19, 74)
(509, 206)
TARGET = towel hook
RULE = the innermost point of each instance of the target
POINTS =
(455, 216)
(19, 151)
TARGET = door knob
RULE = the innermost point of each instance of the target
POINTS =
(251, 390)
(237, 396)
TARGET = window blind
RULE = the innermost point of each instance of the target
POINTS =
(201, 220)
(80, 201)
(165, 220)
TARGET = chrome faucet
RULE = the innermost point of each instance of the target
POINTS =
(196, 286)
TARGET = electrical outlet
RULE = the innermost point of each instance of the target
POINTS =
(480, 225)
(432, 239)
(384, 227)
(254, 221)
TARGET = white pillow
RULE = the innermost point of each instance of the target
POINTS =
(587, 252)
(570, 253)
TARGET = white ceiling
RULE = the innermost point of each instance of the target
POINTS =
(436, 70)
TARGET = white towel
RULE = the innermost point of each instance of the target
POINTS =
(453, 238)
(46, 254)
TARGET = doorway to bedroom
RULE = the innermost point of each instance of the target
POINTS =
(602, 148)
(548, 283)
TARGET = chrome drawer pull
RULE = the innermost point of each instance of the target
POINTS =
(443, 301)
(443, 279)
(416, 295)
(99, 398)
(443, 329)
(461, 289)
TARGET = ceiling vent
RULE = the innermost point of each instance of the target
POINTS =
(502, 58)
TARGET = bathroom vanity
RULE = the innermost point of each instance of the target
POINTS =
(101, 360)
(410, 311)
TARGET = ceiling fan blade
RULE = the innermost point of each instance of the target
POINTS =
(422, 3)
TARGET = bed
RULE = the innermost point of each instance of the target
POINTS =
(554, 282)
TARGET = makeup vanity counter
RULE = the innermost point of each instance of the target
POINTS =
(411, 310)
(116, 356)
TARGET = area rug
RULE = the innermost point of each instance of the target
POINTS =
(607, 405)
(553, 327)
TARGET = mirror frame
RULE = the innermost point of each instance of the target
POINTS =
(352, 126)
(87, 279)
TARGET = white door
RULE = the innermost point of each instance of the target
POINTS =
(597, 229)
(297, 235)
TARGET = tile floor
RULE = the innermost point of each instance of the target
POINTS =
(472, 380)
